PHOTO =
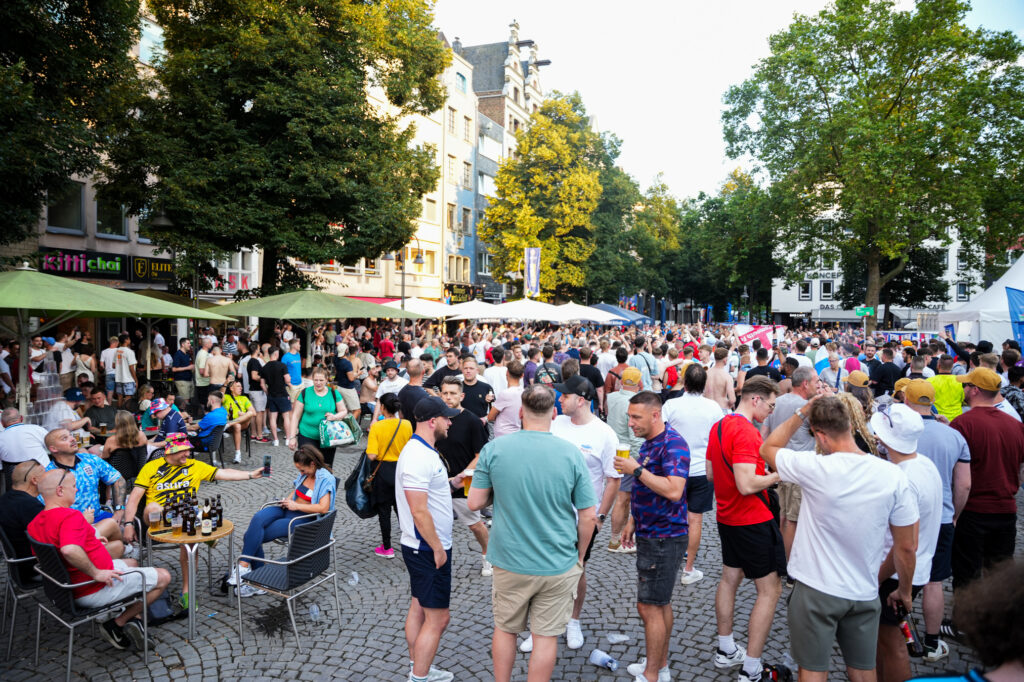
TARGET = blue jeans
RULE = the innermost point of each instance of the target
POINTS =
(268, 524)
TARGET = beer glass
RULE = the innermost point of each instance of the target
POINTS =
(622, 450)
(176, 525)
(103, 428)
(154, 520)
(468, 480)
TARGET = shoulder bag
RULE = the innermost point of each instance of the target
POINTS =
(334, 433)
(359, 484)
(771, 495)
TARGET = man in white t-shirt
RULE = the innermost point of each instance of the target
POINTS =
(496, 376)
(850, 499)
(898, 429)
(692, 416)
(596, 442)
(391, 383)
(425, 514)
(108, 358)
(124, 371)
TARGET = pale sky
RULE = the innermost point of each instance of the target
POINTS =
(655, 74)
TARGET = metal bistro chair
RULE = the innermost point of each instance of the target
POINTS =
(275, 503)
(129, 461)
(17, 587)
(246, 440)
(310, 554)
(215, 440)
(59, 591)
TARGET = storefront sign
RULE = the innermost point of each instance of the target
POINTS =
(91, 264)
(153, 270)
(460, 293)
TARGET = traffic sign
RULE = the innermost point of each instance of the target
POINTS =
(864, 311)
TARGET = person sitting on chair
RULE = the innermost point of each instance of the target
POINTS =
(313, 493)
(84, 553)
(240, 413)
(170, 418)
(174, 474)
(215, 416)
(18, 506)
(126, 437)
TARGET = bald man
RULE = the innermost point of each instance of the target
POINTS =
(18, 506)
(85, 554)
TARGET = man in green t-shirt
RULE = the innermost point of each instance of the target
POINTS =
(544, 517)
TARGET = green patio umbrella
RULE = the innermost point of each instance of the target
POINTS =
(172, 298)
(26, 293)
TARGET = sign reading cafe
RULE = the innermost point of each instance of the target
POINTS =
(73, 263)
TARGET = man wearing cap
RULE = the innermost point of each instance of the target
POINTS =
(618, 418)
(898, 390)
(20, 442)
(171, 420)
(65, 414)
(948, 451)
(425, 513)
(164, 478)
(986, 531)
(949, 393)
(596, 441)
(537, 543)
(898, 429)
(391, 383)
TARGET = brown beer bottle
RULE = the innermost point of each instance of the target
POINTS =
(207, 518)
(219, 508)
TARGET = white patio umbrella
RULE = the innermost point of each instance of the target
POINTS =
(526, 309)
(574, 311)
(423, 306)
(473, 310)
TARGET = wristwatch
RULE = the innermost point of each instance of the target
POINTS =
(637, 472)
(800, 413)
(119, 507)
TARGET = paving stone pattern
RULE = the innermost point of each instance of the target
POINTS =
(367, 641)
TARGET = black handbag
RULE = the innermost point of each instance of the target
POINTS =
(359, 484)
(771, 495)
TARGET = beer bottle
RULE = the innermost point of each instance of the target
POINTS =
(165, 515)
(188, 525)
(220, 511)
(909, 631)
(207, 518)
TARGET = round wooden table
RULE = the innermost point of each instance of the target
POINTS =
(191, 543)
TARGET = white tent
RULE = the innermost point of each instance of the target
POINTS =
(526, 309)
(473, 310)
(572, 312)
(423, 306)
(988, 314)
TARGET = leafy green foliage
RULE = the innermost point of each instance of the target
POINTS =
(67, 85)
(922, 280)
(888, 128)
(261, 133)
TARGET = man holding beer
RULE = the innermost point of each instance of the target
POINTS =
(660, 525)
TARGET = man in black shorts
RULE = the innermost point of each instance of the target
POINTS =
(274, 379)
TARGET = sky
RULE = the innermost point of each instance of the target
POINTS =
(655, 75)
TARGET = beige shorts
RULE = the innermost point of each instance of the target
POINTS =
(351, 398)
(293, 391)
(790, 496)
(543, 600)
(465, 514)
(184, 389)
(122, 587)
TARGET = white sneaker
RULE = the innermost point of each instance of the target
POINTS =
(622, 549)
(249, 591)
(277, 443)
(238, 457)
(435, 674)
(724, 660)
(690, 577)
(131, 552)
(526, 646)
(938, 653)
(637, 670)
(237, 572)
(574, 634)
(486, 570)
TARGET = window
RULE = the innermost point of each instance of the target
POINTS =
(430, 211)
(64, 207)
(428, 266)
(351, 269)
(451, 120)
(110, 219)
(467, 175)
(484, 259)
(372, 266)
(451, 169)
(805, 291)
(151, 42)
(961, 259)
(331, 267)
(460, 82)
(451, 268)
(826, 289)
(304, 267)
(827, 263)
(963, 292)
(486, 186)
(467, 221)
(515, 95)
(467, 129)
(450, 217)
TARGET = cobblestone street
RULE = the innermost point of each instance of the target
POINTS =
(367, 641)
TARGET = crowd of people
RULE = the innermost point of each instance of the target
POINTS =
(857, 474)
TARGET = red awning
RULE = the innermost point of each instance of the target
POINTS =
(374, 299)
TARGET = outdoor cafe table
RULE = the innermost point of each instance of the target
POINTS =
(191, 544)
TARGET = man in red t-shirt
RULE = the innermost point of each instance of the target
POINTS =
(986, 530)
(386, 347)
(751, 542)
(86, 558)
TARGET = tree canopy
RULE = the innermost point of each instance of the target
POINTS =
(261, 134)
(887, 128)
(68, 83)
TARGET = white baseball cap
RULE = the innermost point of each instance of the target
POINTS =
(898, 427)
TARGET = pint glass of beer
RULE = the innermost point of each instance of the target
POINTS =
(468, 480)
(103, 428)
(176, 524)
(622, 450)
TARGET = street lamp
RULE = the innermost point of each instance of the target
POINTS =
(744, 297)
(418, 260)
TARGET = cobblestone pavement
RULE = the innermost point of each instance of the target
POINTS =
(366, 642)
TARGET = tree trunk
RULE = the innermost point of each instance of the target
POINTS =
(268, 287)
(873, 291)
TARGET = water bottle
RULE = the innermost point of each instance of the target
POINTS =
(314, 612)
(600, 658)
(354, 580)
(617, 638)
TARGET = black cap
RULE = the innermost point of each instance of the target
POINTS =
(431, 407)
(74, 395)
(577, 385)
(390, 364)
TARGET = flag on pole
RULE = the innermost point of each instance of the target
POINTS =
(532, 272)
(821, 360)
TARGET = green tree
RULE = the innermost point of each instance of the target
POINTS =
(261, 134)
(882, 129)
(546, 197)
(921, 281)
(68, 83)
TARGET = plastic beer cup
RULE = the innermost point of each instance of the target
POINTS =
(154, 520)
(468, 480)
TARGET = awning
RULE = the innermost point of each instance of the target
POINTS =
(375, 299)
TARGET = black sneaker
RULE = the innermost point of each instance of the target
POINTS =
(769, 673)
(948, 630)
(133, 631)
(115, 635)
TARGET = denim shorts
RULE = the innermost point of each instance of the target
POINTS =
(657, 568)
